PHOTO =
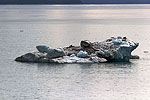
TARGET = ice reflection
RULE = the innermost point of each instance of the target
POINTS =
(87, 81)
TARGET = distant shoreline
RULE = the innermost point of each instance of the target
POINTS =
(73, 2)
(67, 4)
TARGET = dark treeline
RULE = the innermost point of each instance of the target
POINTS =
(40, 2)
(74, 1)
(116, 1)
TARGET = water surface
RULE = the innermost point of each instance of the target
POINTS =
(22, 27)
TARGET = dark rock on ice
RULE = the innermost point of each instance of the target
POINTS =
(135, 57)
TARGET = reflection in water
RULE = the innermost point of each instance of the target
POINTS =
(89, 81)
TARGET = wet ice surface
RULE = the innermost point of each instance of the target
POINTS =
(21, 29)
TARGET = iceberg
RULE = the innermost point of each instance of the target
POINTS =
(111, 50)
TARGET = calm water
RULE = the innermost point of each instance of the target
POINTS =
(59, 26)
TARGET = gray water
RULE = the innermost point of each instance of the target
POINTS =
(22, 27)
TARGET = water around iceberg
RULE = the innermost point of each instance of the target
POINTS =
(23, 27)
